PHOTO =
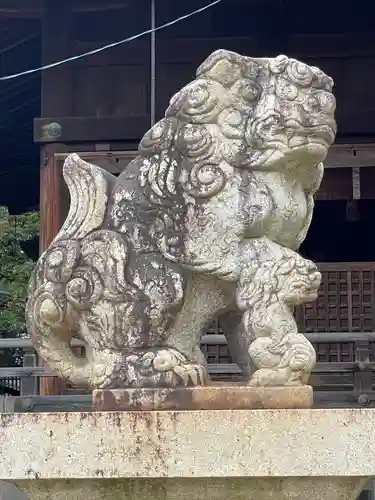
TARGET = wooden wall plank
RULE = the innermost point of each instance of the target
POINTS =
(313, 46)
(112, 90)
(125, 70)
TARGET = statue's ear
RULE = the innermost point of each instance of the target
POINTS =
(89, 188)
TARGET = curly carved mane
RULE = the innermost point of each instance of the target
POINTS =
(218, 126)
(188, 156)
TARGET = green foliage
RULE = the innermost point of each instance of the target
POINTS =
(15, 269)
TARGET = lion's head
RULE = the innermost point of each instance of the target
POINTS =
(187, 196)
(260, 111)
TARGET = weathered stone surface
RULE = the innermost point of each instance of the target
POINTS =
(226, 397)
(207, 219)
(191, 444)
(243, 454)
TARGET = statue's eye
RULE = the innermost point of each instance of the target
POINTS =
(250, 91)
(286, 90)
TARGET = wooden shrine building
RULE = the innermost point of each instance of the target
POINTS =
(102, 105)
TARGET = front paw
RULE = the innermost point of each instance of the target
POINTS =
(270, 378)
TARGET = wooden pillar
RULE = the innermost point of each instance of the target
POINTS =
(56, 102)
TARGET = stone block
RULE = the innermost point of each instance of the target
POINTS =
(186, 455)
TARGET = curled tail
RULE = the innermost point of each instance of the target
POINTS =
(51, 320)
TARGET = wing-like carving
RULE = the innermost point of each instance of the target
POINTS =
(89, 189)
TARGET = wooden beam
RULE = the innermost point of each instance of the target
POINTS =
(89, 129)
(20, 14)
(50, 223)
(109, 129)
(340, 45)
(25, 8)
(20, 4)
(339, 367)
(113, 162)
(190, 50)
(50, 185)
(350, 156)
(98, 6)
(35, 8)
(56, 99)
(220, 339)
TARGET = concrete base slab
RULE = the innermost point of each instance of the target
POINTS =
(189, 455)
(226, 397)
(195, 489)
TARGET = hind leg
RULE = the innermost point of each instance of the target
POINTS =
(238, 342)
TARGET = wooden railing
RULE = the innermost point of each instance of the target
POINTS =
(337, 383)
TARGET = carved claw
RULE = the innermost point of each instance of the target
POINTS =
(184, 374)
(191, 374)
(272, 378)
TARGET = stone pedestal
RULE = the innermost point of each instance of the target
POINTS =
(189, 455)
(224, 397)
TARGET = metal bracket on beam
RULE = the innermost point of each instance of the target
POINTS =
(356, 183)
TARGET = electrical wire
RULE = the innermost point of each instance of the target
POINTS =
(111, 45)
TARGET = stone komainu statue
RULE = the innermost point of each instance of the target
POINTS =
(206, 220)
